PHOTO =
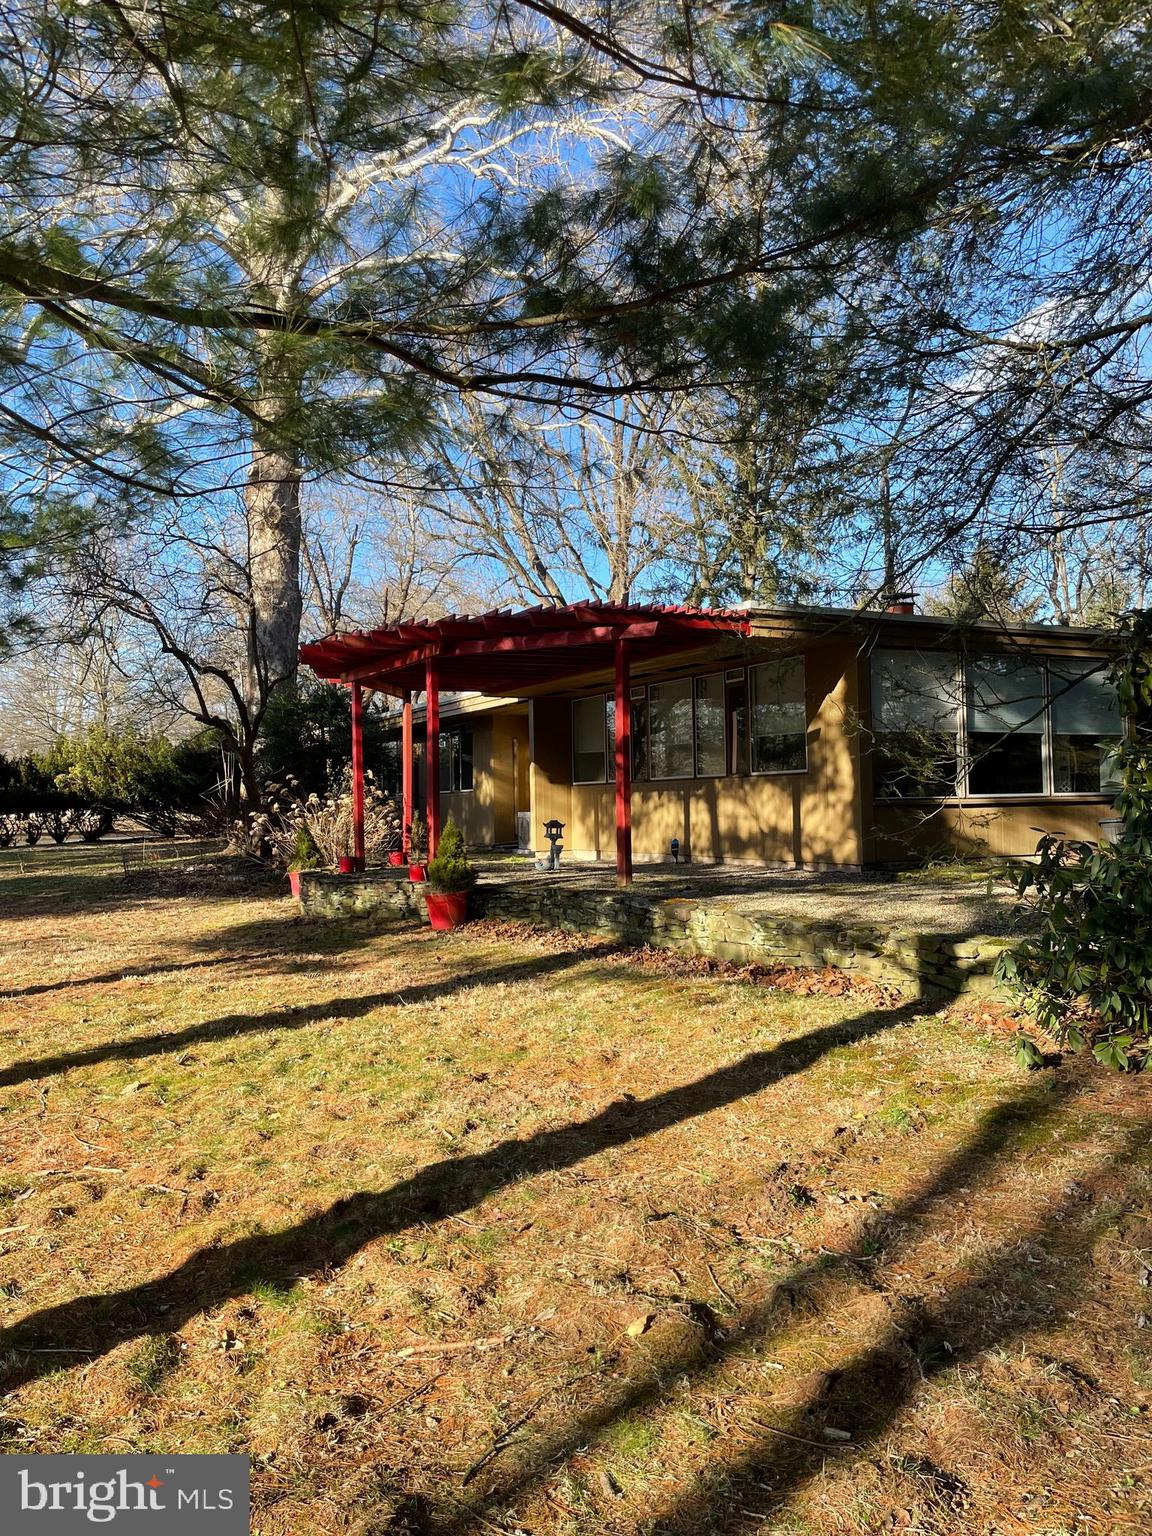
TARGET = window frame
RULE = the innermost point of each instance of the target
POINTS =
(1045, 663)
(675, 778)
(453, 759)
(958, 734)
(737, 741)
(586, 698)
(638, 699)
(983, 797)
(750, 707)
(697, 678)
(1050, 731)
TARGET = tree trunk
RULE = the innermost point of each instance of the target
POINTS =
(272, 506)
(251, 790)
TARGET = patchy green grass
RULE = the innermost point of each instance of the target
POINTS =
(506, 1232)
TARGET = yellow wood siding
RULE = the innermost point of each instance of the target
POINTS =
(1000, 828)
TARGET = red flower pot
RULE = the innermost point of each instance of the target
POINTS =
(347, 864)
(396, 858)
(446, 909)
(417, 873)
(294, 882)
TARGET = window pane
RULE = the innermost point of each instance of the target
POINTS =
(1005, 694)
(1005, 726)
(711, 753)
(779, 717)
(1086, 728)
(610, 735)
(737, 706)
(1084, 765)
(640, 766)
(1084, 703)
(465, 760)
(448, 745)
(670, 729)
(390, 770)
(1005, 765)
(915, 720)
(911, 691)
(921, 763)
(588, 756)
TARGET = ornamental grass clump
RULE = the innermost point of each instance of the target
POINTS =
(451, 871)
(1086, 977)
(274, 831)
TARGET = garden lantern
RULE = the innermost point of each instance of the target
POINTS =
(554, 831)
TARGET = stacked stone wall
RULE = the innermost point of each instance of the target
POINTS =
(919, 964)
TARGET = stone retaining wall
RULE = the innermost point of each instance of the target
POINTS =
(920, 964)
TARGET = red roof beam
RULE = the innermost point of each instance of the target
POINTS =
(545, 640)
(388, 662)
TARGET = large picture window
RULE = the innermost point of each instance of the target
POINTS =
(915, 704)
(456, 770)
(999, 725)
(670, 736)
(699, 727)
(779, 717)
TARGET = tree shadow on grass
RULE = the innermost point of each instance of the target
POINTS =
(234, 1025)
(286, 936)
(135, 973)
(74, 893)
(267, 938)
(92, 1325)
(693, 1354)
(1000, 1302)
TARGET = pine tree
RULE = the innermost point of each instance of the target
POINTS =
(232, 251)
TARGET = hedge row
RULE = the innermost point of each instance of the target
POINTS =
(82, 783)
(56, 823)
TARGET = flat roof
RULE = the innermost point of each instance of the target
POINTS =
(804, 614)
(517, 652)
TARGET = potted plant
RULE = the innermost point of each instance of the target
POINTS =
(305, 855)
(417, 848)
(451, 875)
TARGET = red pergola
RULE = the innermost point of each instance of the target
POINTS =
(508, 652)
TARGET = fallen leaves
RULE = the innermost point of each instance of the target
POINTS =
(823, 981)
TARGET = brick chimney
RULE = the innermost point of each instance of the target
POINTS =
(902, 602)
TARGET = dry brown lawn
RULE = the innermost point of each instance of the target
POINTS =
(501, 1232)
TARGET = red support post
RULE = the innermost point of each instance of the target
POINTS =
(406, 774)
(432, 750)
(358, 775)
(623, 766)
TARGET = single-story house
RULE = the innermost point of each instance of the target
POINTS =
(802, 736)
